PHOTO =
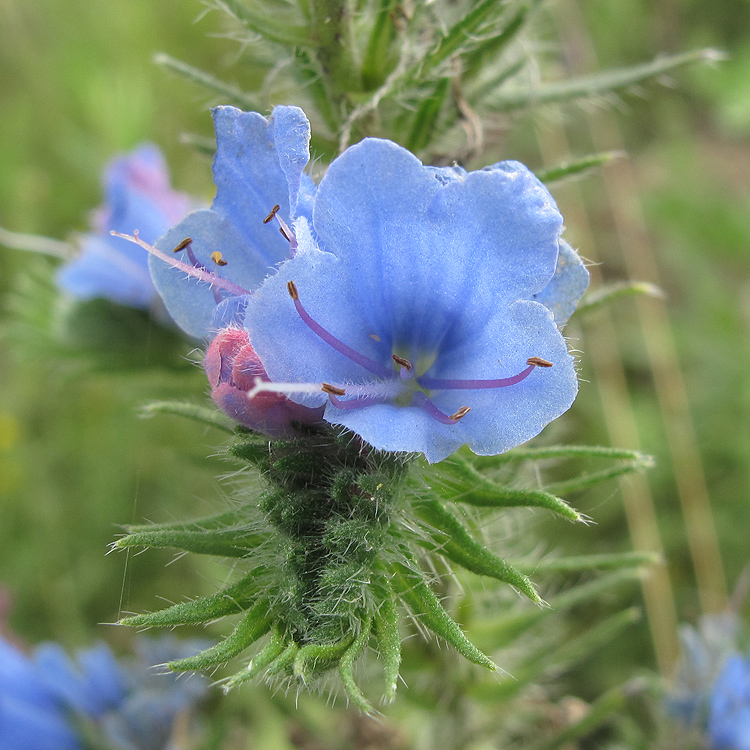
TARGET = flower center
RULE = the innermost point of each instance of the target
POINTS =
(410, 390)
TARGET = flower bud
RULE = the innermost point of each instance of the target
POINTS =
(232, 367)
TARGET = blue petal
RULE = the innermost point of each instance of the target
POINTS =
(190, 302)
(567, 286)
(427, 244)
(258, 164)
(252, 175)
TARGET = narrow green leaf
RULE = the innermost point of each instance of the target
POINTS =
(427, 116)
(228, 601)
(576, 563)
(614, 292)
(255, 624)
(262, 659)
(389, 640)
(314, 658)
(274, 29)
(230, 94)
(578, 166)
(583, 481)
(346, 668)
(219, 521)
(596, 84)
(196, 412)
(478, 92)
(430, 612)
(463, 483)
(564, 451)
(462, 33)
(223, 543)
(500, 631)
(380, 45)
(200, 143)
(284, 660)
(461, 548)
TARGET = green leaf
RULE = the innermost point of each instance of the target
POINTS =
(564, 451)
(380, 46)
(427, 116)
(498, 632)
(346, 668)
(459, 547)
(262, 659)
(228, 601)
(221, 520)
(284, 660)
(597, 83)
(196, 412)
(278, 28)
(576, 563)
(200, 143)
(223, 543)
(230, 94)
(314, 658)
(583, 481)
(389, 639)
(578, 166)
(614, 292)
(255, 624)
(411, 587)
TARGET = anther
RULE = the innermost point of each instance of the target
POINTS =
(401, 361)
(375, 337)
(461, 413)
(538, 362)
(273, 213)
(292, 288)
(183, 244)
(332, 389)
(216, 258)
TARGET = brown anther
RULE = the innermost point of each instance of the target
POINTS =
(284, 234)
(216, 258)
(332, 389)
(183, 244)
(375, 337)
(273, 213)
(461, 413)
(292, 289)
(401, 361)
(538, 362)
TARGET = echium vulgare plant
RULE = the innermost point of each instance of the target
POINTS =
(393, 311)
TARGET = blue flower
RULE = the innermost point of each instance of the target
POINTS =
(45, 698)
(138, 197)
(729, 706)
(420, 306)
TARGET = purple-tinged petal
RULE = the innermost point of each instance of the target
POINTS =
(566, 287)
(291, 135)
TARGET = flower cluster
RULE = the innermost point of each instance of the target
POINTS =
(46, 698)
(137, 194)
(419, 307)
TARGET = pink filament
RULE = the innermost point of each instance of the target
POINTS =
(340, 346)
(438, 384)
(424, 403)
(195, 272)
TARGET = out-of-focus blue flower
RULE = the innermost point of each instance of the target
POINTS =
(705, 649)
(138, 196)
(45, 698)
(415, 304)
(729, 706)
(31, 714)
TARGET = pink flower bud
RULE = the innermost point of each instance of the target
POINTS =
(232, 367)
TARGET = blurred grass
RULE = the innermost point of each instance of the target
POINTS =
(77, 85)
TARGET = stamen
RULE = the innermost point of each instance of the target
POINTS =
(195, 272)
(332, 341)
(401, 361)
(440, 384)
(375, 337)
(183, 244)
(217, 258)
(424, 403)
(273, 213)
(538, 362)
(332, 390)
(355, 403)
